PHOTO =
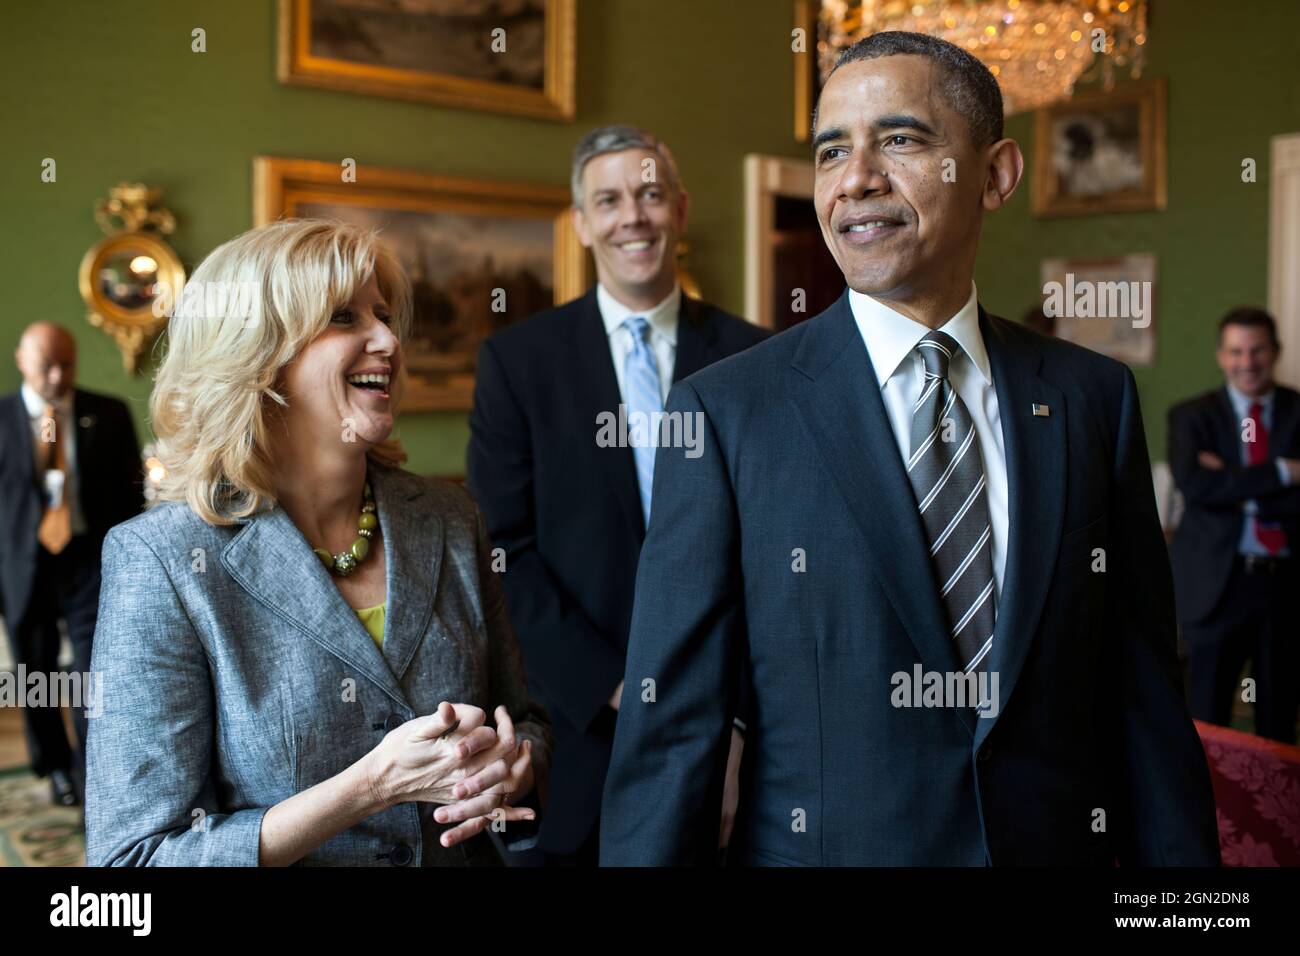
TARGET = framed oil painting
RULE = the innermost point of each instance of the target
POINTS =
(504, 56)
(460, 240)
(1107, 305)
(1101, 153)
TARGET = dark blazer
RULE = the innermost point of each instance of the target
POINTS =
(110, 485)
(568, 515)
(799, 453)
(1209, 534)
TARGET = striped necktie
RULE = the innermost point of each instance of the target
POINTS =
(948, 479)
(641, 382)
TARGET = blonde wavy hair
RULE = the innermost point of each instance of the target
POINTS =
(249, 309)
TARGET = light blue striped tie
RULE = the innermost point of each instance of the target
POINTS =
(641, 380)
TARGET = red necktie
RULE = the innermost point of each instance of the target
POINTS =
(1267, 533)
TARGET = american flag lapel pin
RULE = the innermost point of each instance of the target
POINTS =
(1042, 411)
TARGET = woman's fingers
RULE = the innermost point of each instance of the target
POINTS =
(520, 767)
(459, 834)
(482, 780)
(482, 738)
(475, 826)
(461, 717)
(505, 726)
(470, 717)
(434, 725)
(473, 807)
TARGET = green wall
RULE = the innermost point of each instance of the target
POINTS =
(1234, 82)
(112, 92)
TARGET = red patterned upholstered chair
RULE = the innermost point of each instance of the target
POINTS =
(1257, 789)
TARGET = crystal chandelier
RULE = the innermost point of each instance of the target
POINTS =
(1038, 49)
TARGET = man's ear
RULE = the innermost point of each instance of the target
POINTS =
(580, 226)
(683, 207)
(1006, 164)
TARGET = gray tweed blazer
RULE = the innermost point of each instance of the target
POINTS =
(235, 675)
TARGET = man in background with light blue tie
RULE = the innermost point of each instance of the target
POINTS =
(566, 493)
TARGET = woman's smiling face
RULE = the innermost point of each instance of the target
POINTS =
(339, 387)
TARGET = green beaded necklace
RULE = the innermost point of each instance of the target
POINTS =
(345, 562)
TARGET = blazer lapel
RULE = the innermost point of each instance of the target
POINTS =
(1035, 448)
(1230, 429)
(598, 392)
(83, 430)
(840, 403)
(22, 426)
(413, 543)
(271, 560)
(695, 337)
(1285, 420)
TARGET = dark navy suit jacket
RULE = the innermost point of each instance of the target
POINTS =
(1091, 758)
(568, 514)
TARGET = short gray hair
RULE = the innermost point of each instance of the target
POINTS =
(616, 139)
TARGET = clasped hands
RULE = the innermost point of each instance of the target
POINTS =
(473, 770)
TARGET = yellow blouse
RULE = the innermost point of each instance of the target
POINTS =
(372, 619)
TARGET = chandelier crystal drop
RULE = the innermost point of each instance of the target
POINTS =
(1037, 49)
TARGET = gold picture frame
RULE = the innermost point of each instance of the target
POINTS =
(1101, 153)
(424, 204)
(298, 64)
(807, 81)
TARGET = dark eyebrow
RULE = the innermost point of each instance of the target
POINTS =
(894, 121)
(902, 121)
(826, 135)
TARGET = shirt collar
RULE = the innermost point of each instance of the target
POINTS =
(36, 405)
(1241, 402)
(890, 336)
(662, 317)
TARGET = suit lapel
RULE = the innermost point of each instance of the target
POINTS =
(695, 338)
(839, 401)
(1229, 429)
(598, 392)
(1035, 449)
(83, 434)
(1285, 420)
(413, 543)
(271, 560)
(16, 414)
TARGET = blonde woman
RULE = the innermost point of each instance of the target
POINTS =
(305, 650)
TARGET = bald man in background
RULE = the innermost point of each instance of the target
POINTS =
(70, 470)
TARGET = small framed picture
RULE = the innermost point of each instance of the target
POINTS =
(1100, 153)
(1107, 305)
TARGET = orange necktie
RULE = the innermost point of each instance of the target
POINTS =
(56, 523)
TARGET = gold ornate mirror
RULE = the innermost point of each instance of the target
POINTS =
(130, 279)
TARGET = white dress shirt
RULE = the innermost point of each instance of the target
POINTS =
(891, 340)
(65, 425)
(663, 335)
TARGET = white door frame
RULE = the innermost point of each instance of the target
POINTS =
(766, 178)
(1284, 251)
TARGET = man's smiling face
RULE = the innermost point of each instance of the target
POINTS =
(892, 222)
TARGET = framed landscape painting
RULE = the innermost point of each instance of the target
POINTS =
(480, 255)
(504, 56)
